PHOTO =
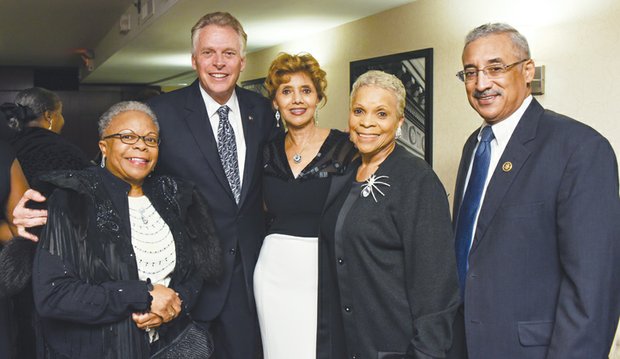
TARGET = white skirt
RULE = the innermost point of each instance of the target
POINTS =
(285, 287)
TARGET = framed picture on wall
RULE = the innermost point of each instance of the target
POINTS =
(256, 85)
(415, 70)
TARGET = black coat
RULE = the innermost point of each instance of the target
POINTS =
(85, 277)
(40, 150)
(388, 285)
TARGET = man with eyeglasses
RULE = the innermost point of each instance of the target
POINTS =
(536, 216)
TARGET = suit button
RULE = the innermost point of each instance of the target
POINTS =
(232, 251)
(340, 261)
(347, 309)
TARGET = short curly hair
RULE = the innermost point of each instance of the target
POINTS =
(385, 81)
(285, 65)
(118, 108)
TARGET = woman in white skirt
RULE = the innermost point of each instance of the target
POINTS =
(298, 167)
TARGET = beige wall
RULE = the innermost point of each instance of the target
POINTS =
(577, 41)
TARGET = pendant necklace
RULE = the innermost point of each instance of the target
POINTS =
(144, 219)
(297, 156)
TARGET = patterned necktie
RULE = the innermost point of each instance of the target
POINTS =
(471, 203)
(227, 148)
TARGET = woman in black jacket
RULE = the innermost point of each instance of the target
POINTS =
(37, 140)
(12, 186)
(124, 253)
(36, 121)
(388, 276)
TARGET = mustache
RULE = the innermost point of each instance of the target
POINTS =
(489, 92)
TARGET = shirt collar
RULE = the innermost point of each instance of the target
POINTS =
(503, 130)
(212, 105)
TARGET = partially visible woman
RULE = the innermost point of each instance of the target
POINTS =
(124, 253)
(40, 147)
(12, 185)
(389, 277)
(299, 165)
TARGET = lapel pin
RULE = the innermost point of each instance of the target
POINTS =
(250, 118)
(507, 166)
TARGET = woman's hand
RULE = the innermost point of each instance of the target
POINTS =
(146, 321)
(166, 302)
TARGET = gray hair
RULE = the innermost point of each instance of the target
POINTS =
(117, 109)
(39, 100)
(519, 41)
(385, 81)
(222, 19)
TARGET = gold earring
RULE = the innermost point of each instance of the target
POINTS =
(50, 126)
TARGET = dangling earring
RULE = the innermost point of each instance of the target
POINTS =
(399, 133)
(50, 126)
(316, 116)
(102, 164)
(277, 118)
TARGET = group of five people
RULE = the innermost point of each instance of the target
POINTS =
(358, 257)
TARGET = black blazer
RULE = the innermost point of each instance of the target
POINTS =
(189, 150)
(544, 276)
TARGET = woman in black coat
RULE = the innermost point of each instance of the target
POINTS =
(37, 141)
(388, 279)
(124, 253)
(12, 186)
(36, 122)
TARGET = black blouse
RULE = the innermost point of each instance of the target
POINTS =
(294, 204)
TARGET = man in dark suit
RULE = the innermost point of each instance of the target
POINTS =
(536, 213)
(191, 147)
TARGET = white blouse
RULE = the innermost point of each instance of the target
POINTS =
(152, 242)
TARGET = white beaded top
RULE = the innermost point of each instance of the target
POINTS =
(152, 242)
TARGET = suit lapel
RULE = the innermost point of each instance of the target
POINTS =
(468, 152)
(517, 153)
(197, 120)
(251, 133)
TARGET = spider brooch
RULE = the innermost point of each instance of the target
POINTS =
(372, 185)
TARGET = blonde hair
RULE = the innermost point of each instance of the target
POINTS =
(222, 19)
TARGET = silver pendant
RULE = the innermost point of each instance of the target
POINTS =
(297, 158)
(144, 219)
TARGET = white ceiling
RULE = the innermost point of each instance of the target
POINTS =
(157, 49)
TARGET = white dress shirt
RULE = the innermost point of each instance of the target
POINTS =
(502, 131)
(234, 117)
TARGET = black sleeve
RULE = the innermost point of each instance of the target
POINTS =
(61, 293)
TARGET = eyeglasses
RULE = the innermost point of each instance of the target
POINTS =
(130, 138)
(493, 71)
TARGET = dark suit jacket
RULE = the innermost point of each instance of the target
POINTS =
(544, 279)
(189, 150)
